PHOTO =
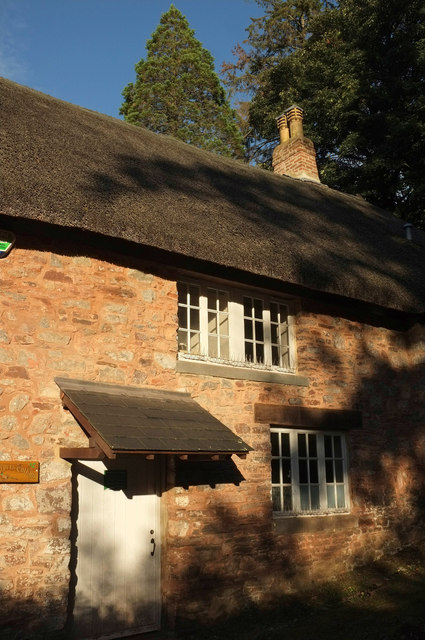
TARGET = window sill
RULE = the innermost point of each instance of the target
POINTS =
(200, 368)
(314, 524)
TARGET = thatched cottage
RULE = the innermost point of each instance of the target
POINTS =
(211, 376)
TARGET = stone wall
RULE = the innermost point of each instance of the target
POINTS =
(115, 321)
(350, 365)
(68, 316)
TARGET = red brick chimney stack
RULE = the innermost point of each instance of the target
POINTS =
(295, 156)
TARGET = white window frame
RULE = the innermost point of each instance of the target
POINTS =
(236, 328)
(294, 484)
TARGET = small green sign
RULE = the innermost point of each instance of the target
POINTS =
(7, 240)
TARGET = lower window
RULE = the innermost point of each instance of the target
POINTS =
(309, 471)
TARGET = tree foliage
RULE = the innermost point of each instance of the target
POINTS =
(280, 32)
(360, 78)
(177, 91)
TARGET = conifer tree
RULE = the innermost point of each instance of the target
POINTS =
(177, 91)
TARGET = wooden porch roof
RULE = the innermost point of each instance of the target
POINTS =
(122, 419)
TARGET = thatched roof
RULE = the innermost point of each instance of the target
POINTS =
(68, 166)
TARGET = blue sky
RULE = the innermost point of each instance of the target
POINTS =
(84, 51)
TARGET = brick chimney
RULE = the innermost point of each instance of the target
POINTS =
(295, 156)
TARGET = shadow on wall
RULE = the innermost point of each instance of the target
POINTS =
(33, 618)
(237, 560)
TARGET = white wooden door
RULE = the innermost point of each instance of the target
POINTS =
(117, 591)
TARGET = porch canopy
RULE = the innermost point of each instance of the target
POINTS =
(120, 419)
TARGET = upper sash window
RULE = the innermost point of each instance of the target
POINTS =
(234, 328)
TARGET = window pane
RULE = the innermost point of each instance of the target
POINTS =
(315, 499)
(248, 329)
(314, 476)
(276, 499)
(224, 348)
(274, 437)
(275, 471)
(194, 296)
(331, 496)
(182, 291)
(279, 336)
(258, 308)
(312, 445)
(340, 496)
(304, 499)
(286, 469)
(329, 471)
(224, 324)
(259, 334)
(195, 347)
(281, 471)
(285, 445)
(212, 322)
(328, 446)
(259, 353)
(212, 347)
(287, 499)
(247, 307)
(283, 310)
(182, 338)
(182, 313)
(338, 446)
(339, 472)
(302, 445)
(212, 299)
(249, 352)
(302, 466)
(194, 319)
(222, 300)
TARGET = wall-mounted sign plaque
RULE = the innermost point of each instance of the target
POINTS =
(19, 471)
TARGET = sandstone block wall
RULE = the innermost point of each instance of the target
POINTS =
(104, 319)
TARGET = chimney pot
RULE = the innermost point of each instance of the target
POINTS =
(294, 116)
(282, 125)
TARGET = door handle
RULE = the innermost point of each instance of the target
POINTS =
(154, 546)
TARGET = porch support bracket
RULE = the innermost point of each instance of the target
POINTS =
(81, 453)
(98, 446)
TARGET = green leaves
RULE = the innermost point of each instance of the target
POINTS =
(177, 91)
(358, 71)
